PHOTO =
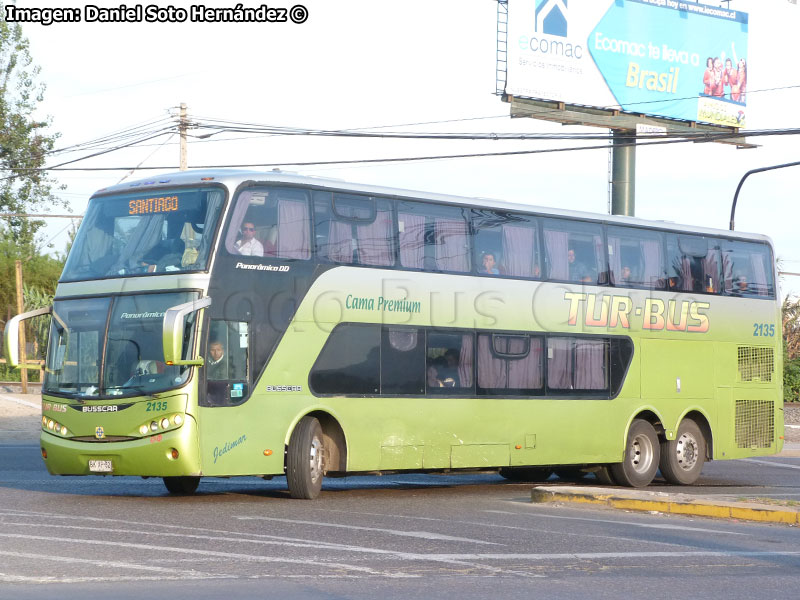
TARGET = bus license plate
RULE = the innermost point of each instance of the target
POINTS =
(100, 466)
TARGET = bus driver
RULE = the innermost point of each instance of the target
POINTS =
(249, 245)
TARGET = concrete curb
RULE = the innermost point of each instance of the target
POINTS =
(679, 504)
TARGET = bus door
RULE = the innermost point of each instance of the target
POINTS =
(227, 364)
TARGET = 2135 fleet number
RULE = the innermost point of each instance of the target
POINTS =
(763, 330)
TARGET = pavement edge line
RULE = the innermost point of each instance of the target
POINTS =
(690, 507)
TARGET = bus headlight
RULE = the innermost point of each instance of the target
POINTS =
(177, 419)
(164, 423)
(153, 426)
(144, 429)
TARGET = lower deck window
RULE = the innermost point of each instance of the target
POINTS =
(510, 365)
(373, 360)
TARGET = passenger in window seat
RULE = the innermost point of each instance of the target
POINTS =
(490, 264)
(577, 270)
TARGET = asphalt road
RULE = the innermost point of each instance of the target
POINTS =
(396, 536)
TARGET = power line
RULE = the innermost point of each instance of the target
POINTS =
(111, 137)
(397, 159)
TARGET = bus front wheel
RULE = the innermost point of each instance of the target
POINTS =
(642, 452)
(682, 459)
(304, 460)
(181, 486)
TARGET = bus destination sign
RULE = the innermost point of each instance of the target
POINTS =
(153, 205)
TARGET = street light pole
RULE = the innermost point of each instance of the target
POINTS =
(746, 175)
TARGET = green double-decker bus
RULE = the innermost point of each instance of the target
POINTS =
(227, 323)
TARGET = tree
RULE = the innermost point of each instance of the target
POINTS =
(791, 326)
(24, 142)
(791, 346)
(39, 271)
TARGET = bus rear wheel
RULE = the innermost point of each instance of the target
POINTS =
(532, 474)
(642, 453)
(683, 458)
(304, 460)
(181, 486)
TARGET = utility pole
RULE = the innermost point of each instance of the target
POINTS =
(183, 125)
(623, 173)
(20, 309)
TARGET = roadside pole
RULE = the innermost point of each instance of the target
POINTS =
(20, 309)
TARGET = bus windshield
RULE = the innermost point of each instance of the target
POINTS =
(141, 233)
(83, 360)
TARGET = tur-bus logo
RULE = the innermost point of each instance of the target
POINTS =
(551, 17)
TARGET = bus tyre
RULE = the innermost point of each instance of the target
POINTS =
(682, 459)
(642, 451)
(181, 486)
(532, 474)
(304, 460)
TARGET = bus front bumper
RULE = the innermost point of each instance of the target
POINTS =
(170, 454)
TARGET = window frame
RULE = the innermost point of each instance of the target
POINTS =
(255, 187)
(433, 210)
(529, 221)
(610, 392)
(713, 244)
(570, 227)
(640, 234)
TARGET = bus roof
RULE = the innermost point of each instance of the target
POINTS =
(235, 177)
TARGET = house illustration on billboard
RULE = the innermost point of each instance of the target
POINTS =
(551, 17)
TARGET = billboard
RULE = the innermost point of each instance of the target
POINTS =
(664, 58)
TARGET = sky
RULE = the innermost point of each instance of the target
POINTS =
(414, 65)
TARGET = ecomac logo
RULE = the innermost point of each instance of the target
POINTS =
(551, 17)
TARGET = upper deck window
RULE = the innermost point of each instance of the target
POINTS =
(353, 229)
(145, 232)
(693, 264)
(747, 269)
(272, 222)
(636, 257)
(433, 237)
(574, 251)
(506, 244)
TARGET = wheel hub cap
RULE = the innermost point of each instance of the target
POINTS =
(687, 451)
(315, 459)
(641, 454)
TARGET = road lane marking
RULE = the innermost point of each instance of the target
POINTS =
(8, 578)
(633, 523)
(99, 563)
(316, 545)
(18, 401)
(268, 540)
(526, 529)
(615, 555)
(770, 463)
(425, 535)
(206, 552)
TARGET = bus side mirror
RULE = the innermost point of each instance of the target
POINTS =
(173, 332)
(11, 337)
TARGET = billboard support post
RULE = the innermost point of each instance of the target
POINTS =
(623, 173)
